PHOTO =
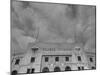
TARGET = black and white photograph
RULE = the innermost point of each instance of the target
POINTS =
(52, 37)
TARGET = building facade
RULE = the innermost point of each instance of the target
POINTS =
(50, 58)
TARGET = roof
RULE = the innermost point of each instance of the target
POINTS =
(67, 46)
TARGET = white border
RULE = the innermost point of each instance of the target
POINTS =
(5, 36)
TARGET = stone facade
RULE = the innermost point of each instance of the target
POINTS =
(53, 59)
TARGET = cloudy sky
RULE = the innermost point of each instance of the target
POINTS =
(52, 23)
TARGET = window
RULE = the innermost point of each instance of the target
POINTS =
(28, 71)
(68, 68)
(14, 72)
(57, 69)
(79, 58)
(46, 59)
(45, 69)
(17, 61)
(82, 68)
(57, 59)
(32, 59)
(79, 68)
(91, 59)
(32, 71)
(93, 67)
(67, 58)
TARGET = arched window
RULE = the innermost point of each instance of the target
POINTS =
(68, 68)
(57, 69)
(45, 69)
(14, 72)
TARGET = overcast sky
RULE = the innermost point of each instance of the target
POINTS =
(55, 23)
